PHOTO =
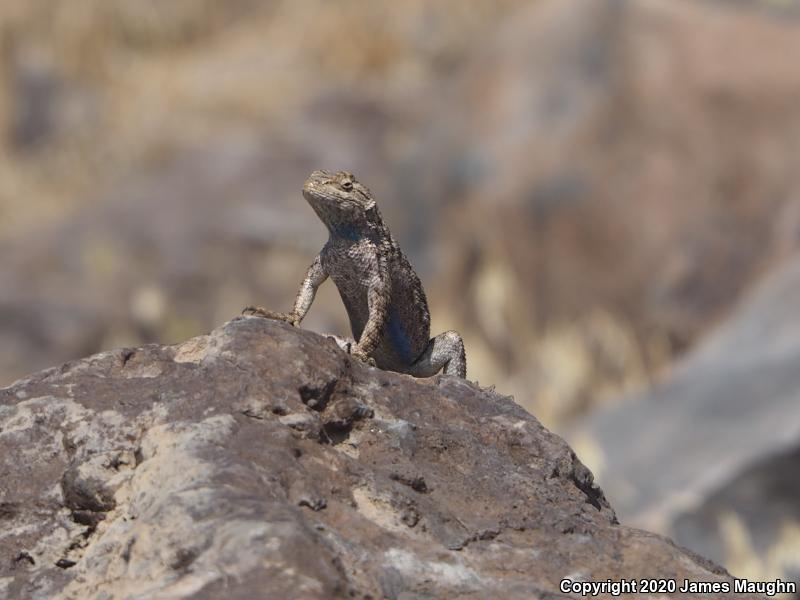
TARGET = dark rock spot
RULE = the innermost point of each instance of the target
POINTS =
(24, 556)
(8, 510)
(85, 493)
(345, 413)
(125, 355)
(280, 410)
(335, 436)
(182, 559)
(410, 516)
(65, 563)
(126, 552)
(253, 414)
(317, 397)
(315, 503)
(88, 517)
(69, 445)
(584, 480)
(416, 483)
(488, 534)
(116, 461)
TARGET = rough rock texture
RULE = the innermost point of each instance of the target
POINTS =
(260, 461)
(728, 418)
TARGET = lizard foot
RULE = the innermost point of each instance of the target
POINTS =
(257, 311)
(356, 351)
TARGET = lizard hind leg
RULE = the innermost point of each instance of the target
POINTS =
(445, 351)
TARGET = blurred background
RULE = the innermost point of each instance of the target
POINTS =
(602, 196)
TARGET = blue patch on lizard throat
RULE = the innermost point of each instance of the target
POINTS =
(399, 338)
(347, 232)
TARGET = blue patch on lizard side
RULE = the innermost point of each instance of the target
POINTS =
(400, 341)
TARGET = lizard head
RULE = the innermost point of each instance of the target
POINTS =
(341, 202)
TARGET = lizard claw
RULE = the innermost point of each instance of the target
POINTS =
(352, 348)
(257, 311)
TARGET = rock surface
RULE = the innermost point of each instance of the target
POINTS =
(260, 461)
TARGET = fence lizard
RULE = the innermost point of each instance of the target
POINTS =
(382, 294)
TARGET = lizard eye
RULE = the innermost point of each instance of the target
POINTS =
(347, 185)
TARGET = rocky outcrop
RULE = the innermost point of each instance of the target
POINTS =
(261, 461)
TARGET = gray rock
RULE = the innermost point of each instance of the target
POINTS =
(202, 470)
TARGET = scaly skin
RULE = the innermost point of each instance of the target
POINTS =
(385, 302)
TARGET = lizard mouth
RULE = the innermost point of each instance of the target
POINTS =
(328, 206)
(314, 188)
(316, 194)
(320, 192)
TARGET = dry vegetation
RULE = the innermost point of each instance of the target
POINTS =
(93, 89)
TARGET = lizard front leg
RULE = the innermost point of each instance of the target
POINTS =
(315, 276)
(378, 295)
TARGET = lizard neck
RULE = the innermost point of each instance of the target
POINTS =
(369, 225)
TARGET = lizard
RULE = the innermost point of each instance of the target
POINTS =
(381, 292)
